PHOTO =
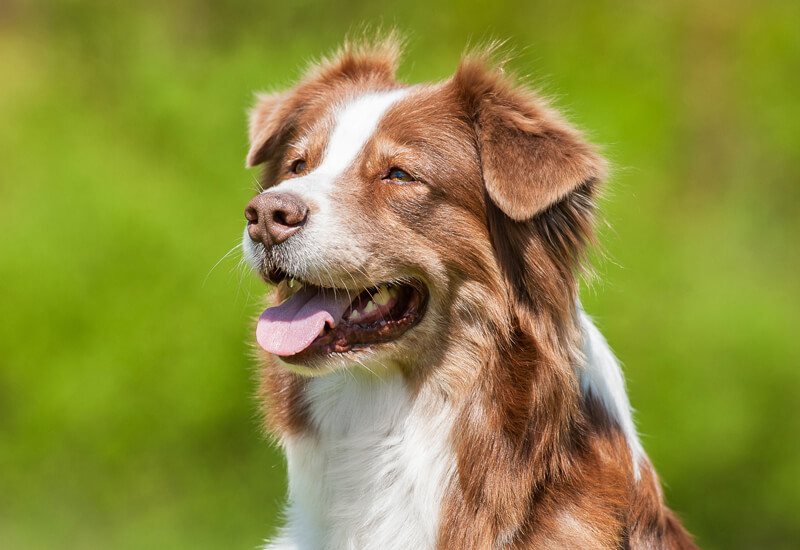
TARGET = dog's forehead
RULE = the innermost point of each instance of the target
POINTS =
(335, 133)
(354, 122)
(353, 109)
(418, 127)
(346, 127)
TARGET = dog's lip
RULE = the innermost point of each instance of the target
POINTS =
(277, 275)
(353, 284)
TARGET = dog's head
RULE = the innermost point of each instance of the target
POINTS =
(396, 219)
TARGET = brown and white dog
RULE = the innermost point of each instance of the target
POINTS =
(429, 370)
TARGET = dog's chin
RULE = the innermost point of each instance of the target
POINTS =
(357, 327)
(374, 362)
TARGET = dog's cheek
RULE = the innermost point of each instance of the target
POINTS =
(386, 217)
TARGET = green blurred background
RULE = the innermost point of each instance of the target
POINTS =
(127, 417)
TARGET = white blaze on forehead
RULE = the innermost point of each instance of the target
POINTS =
(355, 124)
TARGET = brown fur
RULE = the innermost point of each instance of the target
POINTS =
(538, 465)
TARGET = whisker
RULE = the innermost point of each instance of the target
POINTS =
(368, 369)
(242, 269)
(258, 184)
(385, 367)
(330, 277)
(228, 253)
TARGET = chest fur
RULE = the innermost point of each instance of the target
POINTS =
(373, 472)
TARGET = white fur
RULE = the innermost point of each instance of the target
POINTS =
(326, 235)
(373, 472)
(602, 377)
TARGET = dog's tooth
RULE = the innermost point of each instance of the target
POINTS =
(354, 315)
(393, 291)
(382, 297)
(370, 307)
(291, 283)
(321, 331)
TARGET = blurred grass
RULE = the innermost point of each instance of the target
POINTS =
(126, 410)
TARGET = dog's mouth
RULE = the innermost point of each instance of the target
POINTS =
(318, 321)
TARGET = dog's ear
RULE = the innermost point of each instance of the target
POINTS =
(540, 182)
(530, 157)
(270, 120)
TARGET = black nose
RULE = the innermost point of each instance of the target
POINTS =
(274, 217)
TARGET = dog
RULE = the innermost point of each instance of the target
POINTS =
(427, 366)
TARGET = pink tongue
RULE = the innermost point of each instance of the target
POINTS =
(291, 327)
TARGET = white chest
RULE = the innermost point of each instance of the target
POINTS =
(373, 475)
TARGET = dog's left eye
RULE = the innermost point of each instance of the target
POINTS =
(299, 166)
(397, 174)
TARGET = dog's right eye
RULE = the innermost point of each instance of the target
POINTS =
(399, 175)
(298, 166)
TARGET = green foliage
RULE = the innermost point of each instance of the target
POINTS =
(127, 417)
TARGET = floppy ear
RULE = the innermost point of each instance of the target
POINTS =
(270, 120)
(530, 157)
(540, 181)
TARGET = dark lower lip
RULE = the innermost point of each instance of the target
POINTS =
(275, 276)
(348, 337)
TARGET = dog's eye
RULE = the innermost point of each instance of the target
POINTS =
(396, 174)
(298, 166)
